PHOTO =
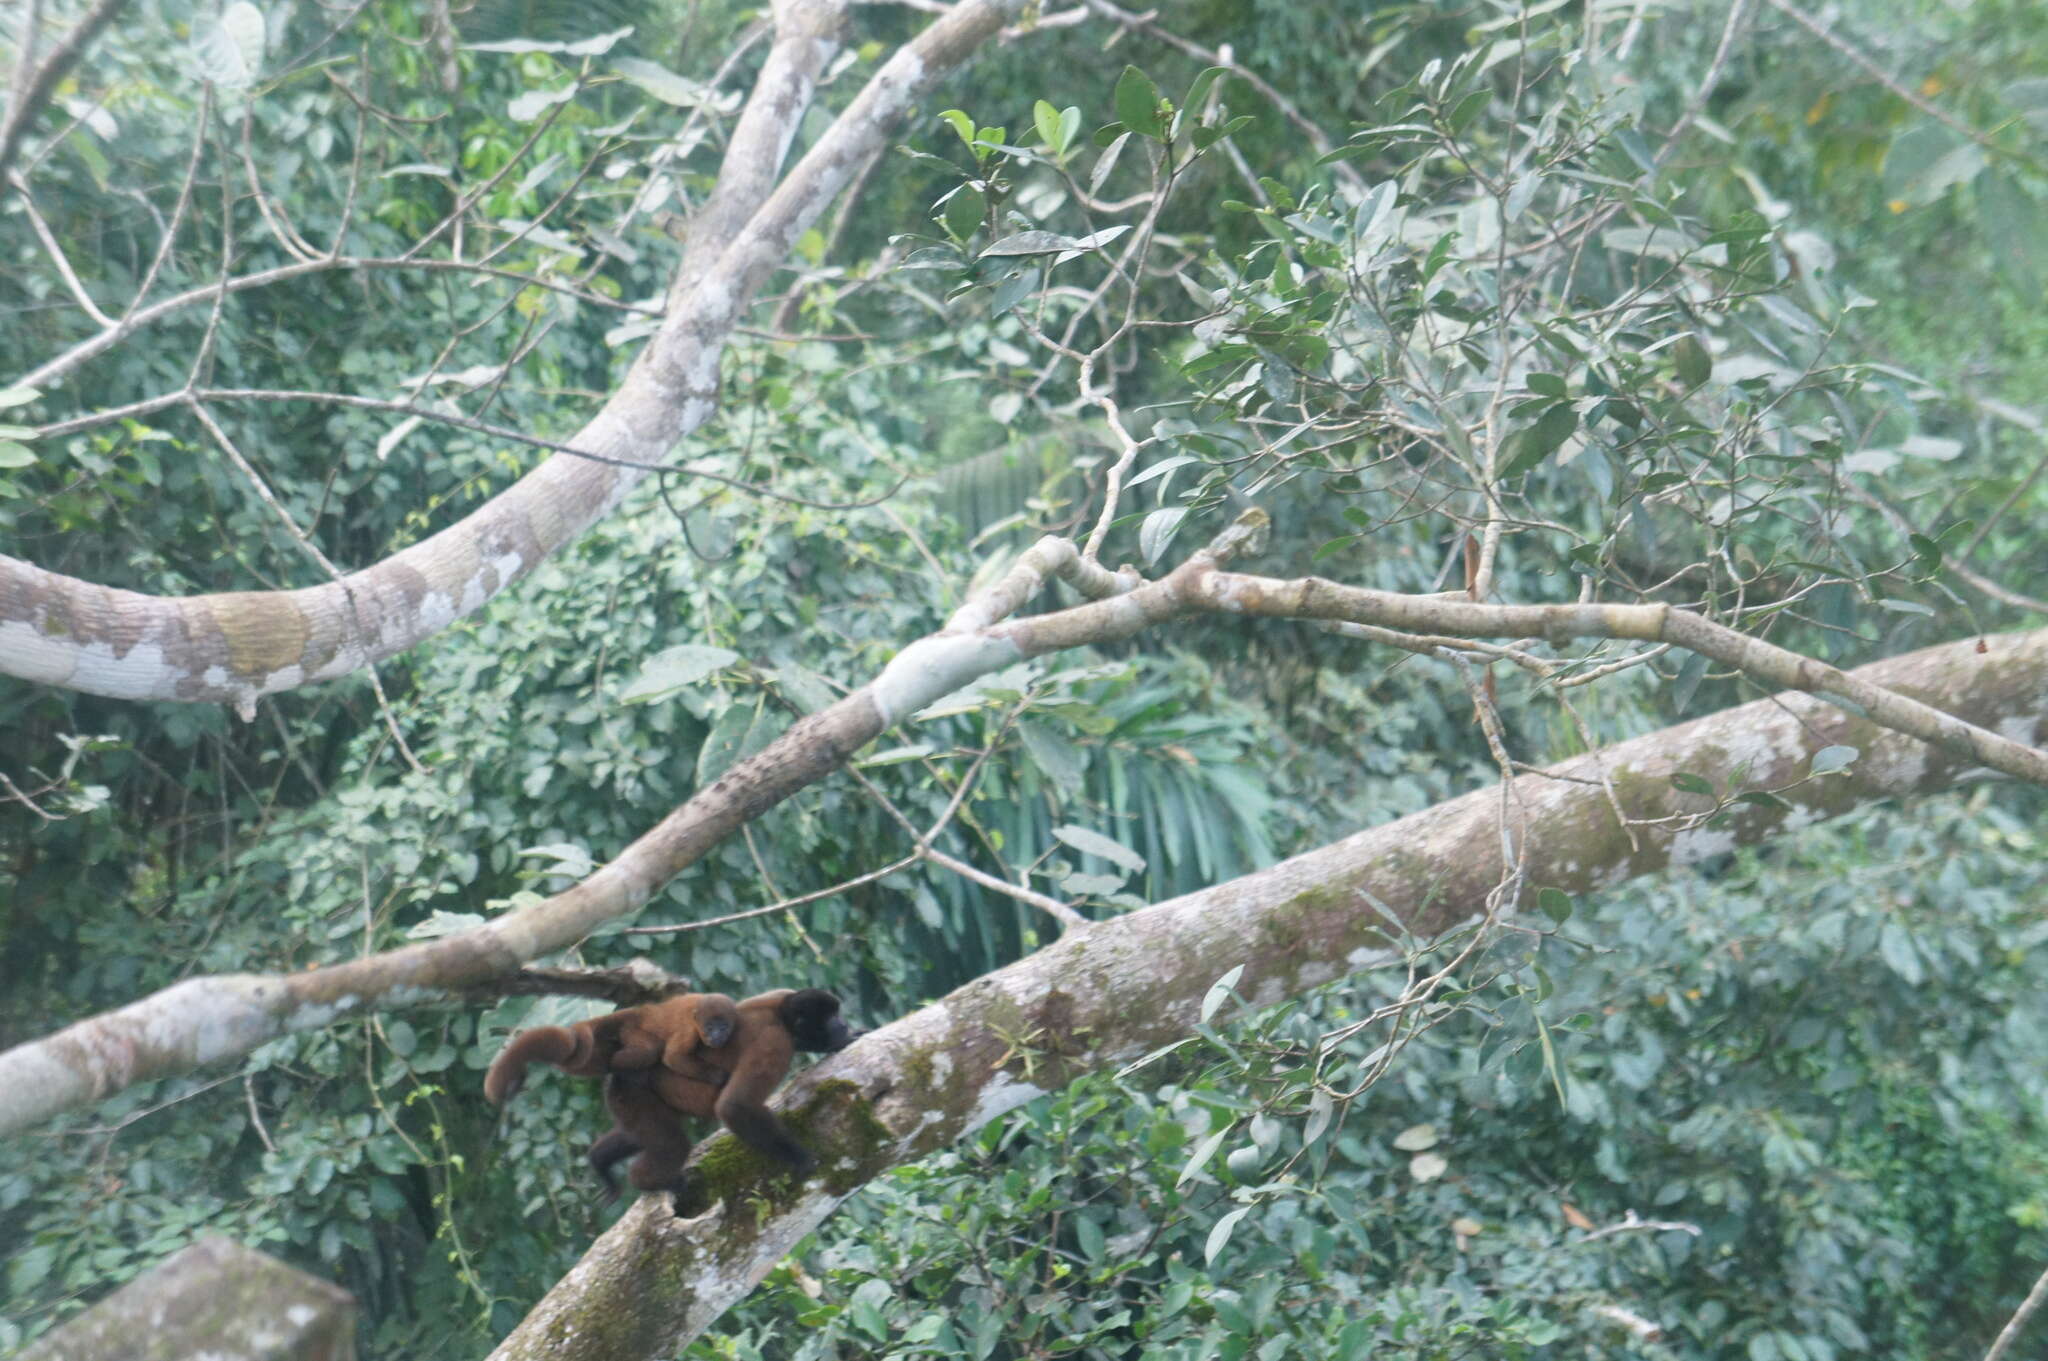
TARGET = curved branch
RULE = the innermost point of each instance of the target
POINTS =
(1124, 987)
(237, 646)
(204, 1019)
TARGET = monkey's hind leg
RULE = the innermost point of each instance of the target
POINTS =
(648, 1124)
(605, 1154)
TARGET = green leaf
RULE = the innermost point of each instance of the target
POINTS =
(673, 668)
(1157, 531)
(964, 211)
(2012, 223)
(1219, 1236)
(933, 257)
(1017, 286)
(230, 49)
(866, 1308)
(1039, 243)
(1556, 904)
(1320, 1111)
(805, 688)
(1219, 991)
(1530, 445)
(1045, 119)
(1467, 109)
(1088, 1237)
(1057, 758)
(1689, 783)
(1695, 365)
(1100, 846)
(1519, 193)
(961, 124)
(896, 756)
(664, 84)
(1199, 91)
(1161, 468)
(581, 47)
(1830, 759)
(526, 107)
(1438, 254)
(14, 455)
(1216, 358)
(10, 397)
(1901, 955)
(1203, 1152)
(1926, 555)
(1137, 104)
(1691, 672)
(724, 743)
(29, 1266)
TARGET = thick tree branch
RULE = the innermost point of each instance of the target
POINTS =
(205, 1019)
(235, 647)
(1124, 987)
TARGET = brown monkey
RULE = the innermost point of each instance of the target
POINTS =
(666, 1032)
(732, 1085)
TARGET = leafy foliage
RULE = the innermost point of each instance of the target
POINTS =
(1504, 300)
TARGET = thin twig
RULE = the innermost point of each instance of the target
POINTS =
(2010, 1333)
(1890, 82)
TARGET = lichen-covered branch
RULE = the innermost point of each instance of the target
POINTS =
(205, 1019)
(234, 647)
(1121, 988)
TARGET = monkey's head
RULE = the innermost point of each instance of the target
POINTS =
(811, 1016)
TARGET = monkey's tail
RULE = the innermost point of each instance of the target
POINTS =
(573, 1051)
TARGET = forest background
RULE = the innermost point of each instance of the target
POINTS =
(1736, 309)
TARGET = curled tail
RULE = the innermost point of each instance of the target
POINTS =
(572, 1049)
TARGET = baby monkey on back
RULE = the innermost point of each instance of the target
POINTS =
(700, 1054)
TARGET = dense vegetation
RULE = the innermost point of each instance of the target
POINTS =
(1810, 1069)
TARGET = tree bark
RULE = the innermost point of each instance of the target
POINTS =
(1119, 989)
(235, 647)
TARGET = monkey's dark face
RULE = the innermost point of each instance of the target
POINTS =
(811, 1015)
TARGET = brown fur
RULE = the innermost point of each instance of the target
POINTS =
(668, 1033)
(731, 1085)
(659, 1065)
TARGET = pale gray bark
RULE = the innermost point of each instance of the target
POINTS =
(1122, 988)
(205, 1019)
(202, 1020)
(235, 647)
